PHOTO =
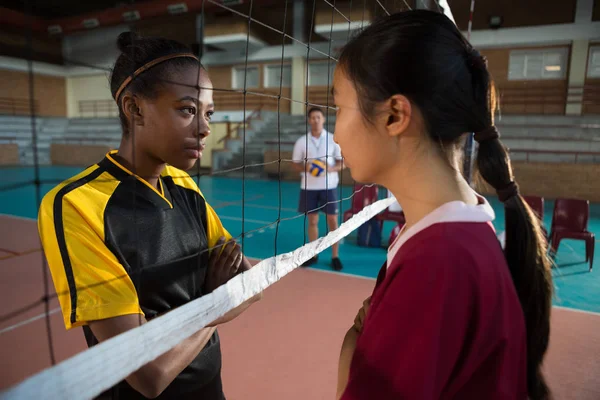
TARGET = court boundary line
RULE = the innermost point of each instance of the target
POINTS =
(253, 221)
(272, 207)
(222, 204)
(14, 254)
(10, 252)
(29, 320)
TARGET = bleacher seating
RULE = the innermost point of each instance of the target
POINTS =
(540, 135)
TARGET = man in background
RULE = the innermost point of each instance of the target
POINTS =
(318, 159)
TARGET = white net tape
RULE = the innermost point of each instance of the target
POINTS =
(86, 375)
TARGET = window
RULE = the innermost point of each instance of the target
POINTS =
(273, 74)
(250, 74)
(594, 63)
(537, 64)
(317, 73)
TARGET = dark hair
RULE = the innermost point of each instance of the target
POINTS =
(315, 109)
(136, 52)
(423, 56)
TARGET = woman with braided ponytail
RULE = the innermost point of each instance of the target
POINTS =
(452, 315)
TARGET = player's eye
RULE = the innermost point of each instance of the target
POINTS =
(189, 110)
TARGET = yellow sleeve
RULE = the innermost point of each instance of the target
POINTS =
(215, 228)
(89, 281)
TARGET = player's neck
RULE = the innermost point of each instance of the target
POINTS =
(316, 134)
(430, 184)
(141, 165)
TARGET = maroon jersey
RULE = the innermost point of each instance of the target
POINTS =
(445, 321)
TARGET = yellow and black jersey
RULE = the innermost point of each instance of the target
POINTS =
(116, 245)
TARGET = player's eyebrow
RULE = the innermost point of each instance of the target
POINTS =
(195, 100)
(189, 98)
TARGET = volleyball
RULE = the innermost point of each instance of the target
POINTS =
(317, 167)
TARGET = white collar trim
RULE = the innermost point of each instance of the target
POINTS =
(454, 211)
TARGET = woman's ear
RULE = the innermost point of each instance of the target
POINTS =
(398, 114)
(132, 110)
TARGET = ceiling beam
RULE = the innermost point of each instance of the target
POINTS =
(17, 19)
(109, 17)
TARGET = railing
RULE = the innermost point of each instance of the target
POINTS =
(533, 99)
(574, 156)
(528, 98)
(321, 97)
(233, 130)
(504, 137)
(227, 100)
(591, 98)
(8, 139)
(98, 108)
(283, 142)
(264, 98)
(551, 139)
(14, 106)
(576, 126)
(86, 140)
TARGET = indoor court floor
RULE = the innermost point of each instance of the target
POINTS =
(285, 347)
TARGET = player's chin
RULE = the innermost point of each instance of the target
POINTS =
(359, 175)
(184, 163)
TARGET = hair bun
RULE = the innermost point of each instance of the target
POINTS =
(126, 39)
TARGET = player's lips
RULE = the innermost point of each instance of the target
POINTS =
(194, 150)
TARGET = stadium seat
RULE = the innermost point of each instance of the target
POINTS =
(364, 195)
(537, 205)
(570, 221)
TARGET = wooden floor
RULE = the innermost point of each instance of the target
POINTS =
(285, 347)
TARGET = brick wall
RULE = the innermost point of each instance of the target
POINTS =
(9, 154)
(552, 180)
(221, 77)
(528, 96)
(49, 93)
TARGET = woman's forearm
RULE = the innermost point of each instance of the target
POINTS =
(177, 359)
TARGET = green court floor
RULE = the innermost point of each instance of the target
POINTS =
(266, 211)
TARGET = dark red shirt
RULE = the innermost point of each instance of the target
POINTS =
(445, 321)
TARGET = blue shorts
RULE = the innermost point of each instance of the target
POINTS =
(312, 201)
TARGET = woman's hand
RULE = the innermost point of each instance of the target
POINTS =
(362, 315)
(223, 264)
(346, 354)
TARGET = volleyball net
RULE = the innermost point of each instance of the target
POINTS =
(275, 74)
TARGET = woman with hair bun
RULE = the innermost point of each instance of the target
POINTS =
(132, 237)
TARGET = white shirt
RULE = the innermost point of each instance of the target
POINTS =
(454, 211)
(324, 149)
